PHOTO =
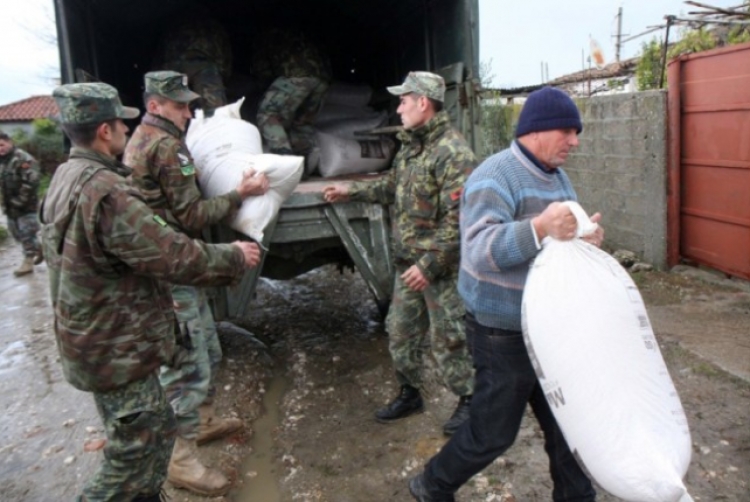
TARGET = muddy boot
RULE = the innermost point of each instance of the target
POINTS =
(186, 471)
(459, 416)
(213, 427)
(26, 267)
(408, 402)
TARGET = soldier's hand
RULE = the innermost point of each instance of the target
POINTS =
(251, 251)
(415, 279)
(336, 193)
(252, 184)
(557, 221)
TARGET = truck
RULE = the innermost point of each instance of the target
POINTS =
(374, 42)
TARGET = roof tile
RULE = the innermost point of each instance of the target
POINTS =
(31, 108)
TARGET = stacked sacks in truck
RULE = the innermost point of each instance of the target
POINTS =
(223, 147)
(343, 114)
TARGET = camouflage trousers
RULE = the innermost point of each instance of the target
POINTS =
(140, 429)
(287, 112)
(24, 229)
(204, 78)
(192, 383)
(438, 311)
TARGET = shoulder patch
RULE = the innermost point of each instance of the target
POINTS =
(158, 219)
(186, 163)
(184, 159)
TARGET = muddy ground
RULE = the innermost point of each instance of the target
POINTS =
(326, 347)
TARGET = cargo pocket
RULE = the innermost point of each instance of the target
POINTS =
(453, 325)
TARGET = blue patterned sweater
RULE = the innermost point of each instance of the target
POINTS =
(498, 242)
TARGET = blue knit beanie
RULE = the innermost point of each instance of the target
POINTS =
(546, 109)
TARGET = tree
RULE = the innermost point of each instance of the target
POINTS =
(649, 69)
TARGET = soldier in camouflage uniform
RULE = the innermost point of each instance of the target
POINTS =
(424, 186)
(199, 47)
(297, 74)
(107, 256)
(19, 182)
(164, 172)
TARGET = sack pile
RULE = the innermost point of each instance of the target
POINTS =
(223, 148)
(344, 112)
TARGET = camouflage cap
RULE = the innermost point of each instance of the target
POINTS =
(421, 82)
(171, 85)
(90, 103)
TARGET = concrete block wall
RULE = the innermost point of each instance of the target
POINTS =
(620, 170)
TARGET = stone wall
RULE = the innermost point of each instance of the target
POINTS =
(620, 170)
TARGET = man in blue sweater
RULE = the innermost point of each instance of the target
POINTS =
(511, 202)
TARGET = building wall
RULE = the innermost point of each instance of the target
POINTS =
(10, 127)
(620, 170)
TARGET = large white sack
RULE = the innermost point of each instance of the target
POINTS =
(223, 148)
(339, 156)
(345, 128)
(340, 93)
(590, 340)
(335, 112)
(222, 134)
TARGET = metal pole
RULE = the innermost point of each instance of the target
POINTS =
(669, 19)
(619, 35)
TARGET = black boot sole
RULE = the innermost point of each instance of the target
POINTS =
(415, 411)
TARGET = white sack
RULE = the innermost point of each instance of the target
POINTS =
(339, 156)
(223, 148)
(345, 128)
(335, 112)
(340, 93)
(590, 340)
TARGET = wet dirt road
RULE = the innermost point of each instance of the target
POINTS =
(327, 348)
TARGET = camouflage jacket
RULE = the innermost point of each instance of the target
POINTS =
(164, 172)
(196, 41)
(19, 182)
(281, 53)
(424, 186)
(108, 256)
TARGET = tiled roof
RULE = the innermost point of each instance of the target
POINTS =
(35, 107)
(612, 70)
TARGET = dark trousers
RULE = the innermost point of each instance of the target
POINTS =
(505, 382)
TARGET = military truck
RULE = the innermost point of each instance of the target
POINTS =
(375, 42)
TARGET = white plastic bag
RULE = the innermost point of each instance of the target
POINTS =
(223, 148)
(592, 346)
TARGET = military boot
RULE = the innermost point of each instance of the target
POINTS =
(212, 427)
(408, 402)
(459, 416)
(26, 267)
(186, 471)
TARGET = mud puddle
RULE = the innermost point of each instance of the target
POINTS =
(260, 468)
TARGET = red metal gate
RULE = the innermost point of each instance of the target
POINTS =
(709, 159)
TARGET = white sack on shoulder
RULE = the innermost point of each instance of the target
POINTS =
(592, 346)
(223, 148)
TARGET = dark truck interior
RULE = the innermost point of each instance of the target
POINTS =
(368, 41)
